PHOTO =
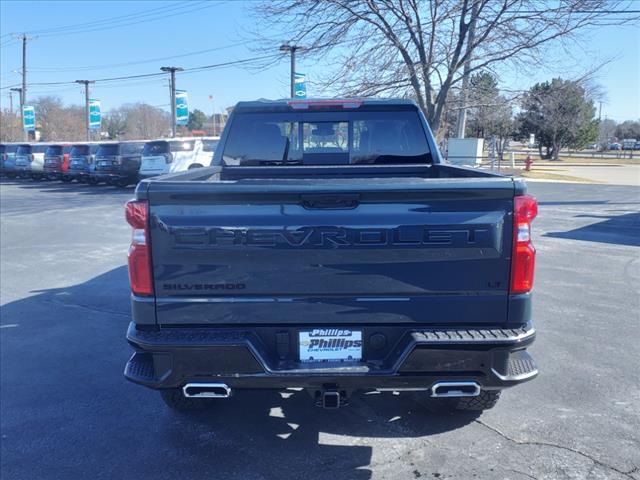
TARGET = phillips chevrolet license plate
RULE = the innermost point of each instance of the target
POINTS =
(330, 345)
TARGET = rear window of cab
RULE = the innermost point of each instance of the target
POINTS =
(209, 145)
(155, 148)
(23, 150)
(79, 150)
(53, 150)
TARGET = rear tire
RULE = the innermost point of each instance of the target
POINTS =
(195, 165)
(486, 400)
(175, 400)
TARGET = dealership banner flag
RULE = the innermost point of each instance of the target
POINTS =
(182, 107)
(28, 118)
(300, 85)
(95, 115)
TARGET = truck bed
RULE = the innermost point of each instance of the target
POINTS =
(427, 245)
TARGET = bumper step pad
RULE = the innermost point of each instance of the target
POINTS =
(140, 367)
(519, 366)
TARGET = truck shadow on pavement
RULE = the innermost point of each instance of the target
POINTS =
(61, 187)
(66, 407)
(619, 229)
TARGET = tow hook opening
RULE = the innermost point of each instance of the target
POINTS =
(331, 399)
(455, 389)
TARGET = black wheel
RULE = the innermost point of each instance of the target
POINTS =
(66, 179)
(121, 182)
(175, 400)
(195, 165)
(11, 175)
(486, 400)
(92, 181)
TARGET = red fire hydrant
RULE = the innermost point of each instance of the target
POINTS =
(528, 162)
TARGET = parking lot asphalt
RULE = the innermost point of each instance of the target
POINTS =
(67, 412)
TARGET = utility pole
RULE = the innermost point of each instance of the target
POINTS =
(86, 105)
(462, 113)
(291, 49)
(23, 95)
(600, 112)
(172, 89)
(11, 102)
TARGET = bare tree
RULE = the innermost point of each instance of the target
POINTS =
(10, 128)
(145, 121)
(58, 122)
(419, 48)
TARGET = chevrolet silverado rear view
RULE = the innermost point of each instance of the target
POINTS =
(329, 248)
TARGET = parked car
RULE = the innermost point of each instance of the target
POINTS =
(629, 143)
(615, 146)
(117, 163)
(636, 146)
(56, 162)
(175, 155)
(330, 249)
(30, 160)
(80, 160)
(209, 145)
(7, 159)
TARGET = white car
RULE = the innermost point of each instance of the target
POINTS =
(29, 160)
(174, 155)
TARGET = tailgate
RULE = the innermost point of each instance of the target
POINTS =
(332, 252)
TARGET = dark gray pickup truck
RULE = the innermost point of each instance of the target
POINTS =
(329, 248)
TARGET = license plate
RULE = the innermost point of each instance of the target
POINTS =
(104, 164)
(330, 345)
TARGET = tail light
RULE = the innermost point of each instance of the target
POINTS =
(168, 157)
(32, 157)
(140, 276)
(525, 209)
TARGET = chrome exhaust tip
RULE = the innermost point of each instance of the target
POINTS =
(206, 390)
(455, 389)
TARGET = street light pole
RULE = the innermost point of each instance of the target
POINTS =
(86, 105)
(292, 50)
(23, 95)
(172, 89)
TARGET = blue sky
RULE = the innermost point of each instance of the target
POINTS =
(223, 25)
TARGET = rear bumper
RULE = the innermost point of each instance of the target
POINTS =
(52, 172)
(104, 176)
(22, 169)
(242, 359)
(143, 175)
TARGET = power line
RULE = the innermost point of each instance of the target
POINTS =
(181, 10)
(151, 75)
(111, 20)
(138, 62)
